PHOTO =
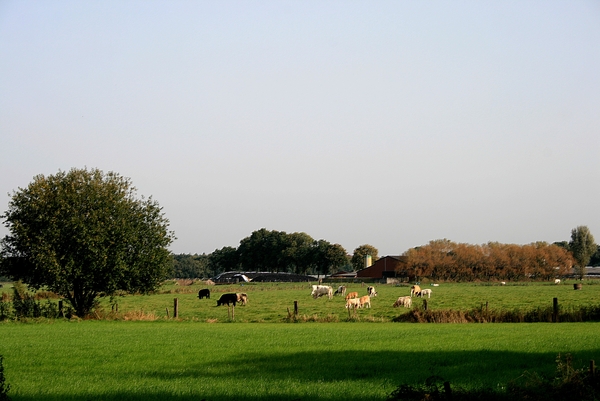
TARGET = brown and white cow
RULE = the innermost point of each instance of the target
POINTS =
(415, 290)
(365, 302)
(351, 295)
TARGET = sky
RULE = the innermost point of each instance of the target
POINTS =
(389, 123)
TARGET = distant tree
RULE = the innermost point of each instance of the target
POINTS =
(263, 250)
(223, 260)
(562, 244)
(595, 260)
(358, 257)
(85, 234)
(296, 253)
(327, 257)
(190, 266)
(582, 246)
(446, 260)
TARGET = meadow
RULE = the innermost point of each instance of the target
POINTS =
(269, 302)
(206, 355)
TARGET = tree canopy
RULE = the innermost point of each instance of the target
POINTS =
(450, 261)
(582, 246)
(358, 257)
(278, 251)
(84, 234)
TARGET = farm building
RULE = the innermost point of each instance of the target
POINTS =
(343, 275)
(383, 268)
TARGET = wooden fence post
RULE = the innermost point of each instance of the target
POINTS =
(593, 368)
(555, 310)
(60, 309)
(167, 310)
(448, 390)
(295, 308)
(176, 308)
(425, 304)
(233, 312)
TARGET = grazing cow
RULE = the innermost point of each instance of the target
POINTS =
(415, 290)
(242, 297)
(435, 285)
(320, 290)
(403, 301)
(351, 295)
(227, 299)
(371, 291)
(205, 293)
(341, 290)
(556, 281)
(365, 302)
(426, 291)
(353, 303)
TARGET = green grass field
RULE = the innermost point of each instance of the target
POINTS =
(100, 360)
(269, 302)
(365, 357)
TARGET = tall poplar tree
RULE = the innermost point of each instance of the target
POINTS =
(582, 246)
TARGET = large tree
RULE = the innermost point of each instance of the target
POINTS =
(582, 246)
(327, 257)
(224, 259)
(358, 257)
(84, 234)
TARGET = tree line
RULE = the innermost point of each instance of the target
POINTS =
(85, 234)
(267, 251)
(449, 261)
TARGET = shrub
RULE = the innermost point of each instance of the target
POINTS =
(26, 306)
(4, 310)
(3, 386)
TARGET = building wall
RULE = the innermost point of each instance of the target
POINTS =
(387, 264)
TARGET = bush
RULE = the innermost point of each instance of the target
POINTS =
(4, 310)
(26, 306)
(3, 386)
(482, 315)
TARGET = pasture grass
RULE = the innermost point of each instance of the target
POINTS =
(160, 360)
(269, 302)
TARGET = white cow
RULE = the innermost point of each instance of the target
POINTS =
(556, 281)
(371, 291)
(320, 290)
(403, 301)
(426, 291)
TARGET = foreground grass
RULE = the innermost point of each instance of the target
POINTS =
(94, 360)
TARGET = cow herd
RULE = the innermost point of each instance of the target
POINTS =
(226, 299)
(353, 300)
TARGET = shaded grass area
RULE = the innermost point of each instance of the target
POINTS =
(352, 361)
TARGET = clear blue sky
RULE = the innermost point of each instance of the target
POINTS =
(390, 123)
